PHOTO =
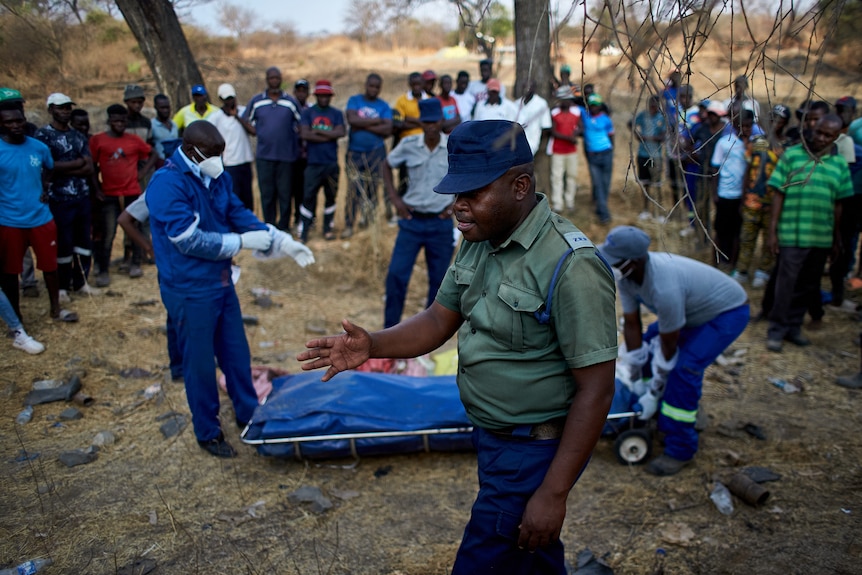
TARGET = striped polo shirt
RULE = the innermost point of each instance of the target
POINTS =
(810, 188)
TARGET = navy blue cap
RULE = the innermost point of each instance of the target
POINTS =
(482, 151)
(198, 89)
(430, 110)
(624, 243)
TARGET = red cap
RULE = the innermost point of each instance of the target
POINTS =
(493, 85)
(429, 75)
(323, 88)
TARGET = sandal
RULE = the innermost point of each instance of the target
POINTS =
(66, 316)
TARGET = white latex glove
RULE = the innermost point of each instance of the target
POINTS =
(256, 240)
(634, 361)
(661, 367)
(283, 244)
(647, 405)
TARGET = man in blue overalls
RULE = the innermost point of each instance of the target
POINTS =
(198, 224)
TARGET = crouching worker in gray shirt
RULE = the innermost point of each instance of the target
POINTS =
(700, 310)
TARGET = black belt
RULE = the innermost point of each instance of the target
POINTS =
(552, 429)
(426, 215)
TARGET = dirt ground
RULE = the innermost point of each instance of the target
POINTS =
(165, 500)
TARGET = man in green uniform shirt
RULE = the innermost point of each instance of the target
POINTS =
(533, 305)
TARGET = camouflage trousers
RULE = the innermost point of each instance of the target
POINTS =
(755, 221)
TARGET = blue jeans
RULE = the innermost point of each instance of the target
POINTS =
(510, 471)
(435, 236)
(7, 313)
(601, 167)
(698, 348)
(210, 325)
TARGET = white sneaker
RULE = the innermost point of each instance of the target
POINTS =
(741, 277)
(87, 289)
(644, 216)
(761, 278)
(64, 296)
(26, 343)
(846, 306)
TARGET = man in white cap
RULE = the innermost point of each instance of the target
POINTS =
(69, 196)
(238, 155)
(700, 312)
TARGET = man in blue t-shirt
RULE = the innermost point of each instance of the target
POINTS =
(321, 126)
(25, 219)
(275, 116)
(370, 120)
(69, 195)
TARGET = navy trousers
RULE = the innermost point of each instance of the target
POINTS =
(510, 471)
(435, 236)
(209, 328)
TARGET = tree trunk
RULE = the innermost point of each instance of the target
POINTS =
(157, 29)
(533, 63)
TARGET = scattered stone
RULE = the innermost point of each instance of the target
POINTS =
(589, 564)
(676, 533)
(263, 301)
(74, 360)
(104, 438)
(64, 392)
(259, 291)
(313, 495)
(77, 457)
(45, 488)
(344, 495)
(47, 384)
(145, 303)
(761, 474)
(729, 458)
(174, 423)
(381, 471)
(139, 567)
(153, 517)
(70, 414)
(134, 373)
(316, 326)
(112, 293)
(266, 344)
(754, 431)
(121, 335)
(152, 391)
(144, 332)
(250, 320)
(97, 361)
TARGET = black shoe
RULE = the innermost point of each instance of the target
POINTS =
(218, 447)
(797, 339)
(241, 424)
(665, 465)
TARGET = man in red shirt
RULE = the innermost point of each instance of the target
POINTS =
(566, 126)
(117, 156)
(451, 113)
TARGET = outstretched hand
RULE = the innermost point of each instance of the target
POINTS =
(339, 352)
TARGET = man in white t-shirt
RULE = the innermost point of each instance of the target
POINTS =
(238, 155)
(479, 88)
(729, 161)
(533, 115)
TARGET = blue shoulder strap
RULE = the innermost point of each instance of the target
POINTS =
(543, 316)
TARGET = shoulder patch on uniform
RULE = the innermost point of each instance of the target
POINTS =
(578, 240)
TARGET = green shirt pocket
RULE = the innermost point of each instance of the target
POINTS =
(514, 323)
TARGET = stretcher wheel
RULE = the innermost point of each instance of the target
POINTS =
(633, 446)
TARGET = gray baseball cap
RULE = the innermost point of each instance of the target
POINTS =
(625, 243)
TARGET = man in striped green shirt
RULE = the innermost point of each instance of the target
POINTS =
(809, 183)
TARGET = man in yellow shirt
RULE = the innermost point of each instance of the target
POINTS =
(199, 109)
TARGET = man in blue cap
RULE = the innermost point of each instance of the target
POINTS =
(533, 305)
(700, 312)
(424, 217)
(199, 109)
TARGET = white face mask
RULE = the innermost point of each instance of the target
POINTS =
(212, 166)
(619, 275)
